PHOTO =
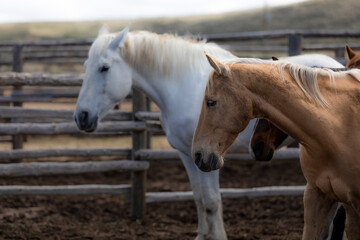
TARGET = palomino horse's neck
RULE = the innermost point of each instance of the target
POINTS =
(279, 98)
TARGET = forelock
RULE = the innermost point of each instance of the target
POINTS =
(100, 45)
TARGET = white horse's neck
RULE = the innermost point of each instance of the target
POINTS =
(165, 65)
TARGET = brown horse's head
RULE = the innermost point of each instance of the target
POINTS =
(221, 117)
(354, 58)
(265, 139)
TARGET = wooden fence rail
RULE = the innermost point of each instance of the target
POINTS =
(270, 191)
(66, 190)
(275, 34)
(150, 196)
(18, 154)
(66, 128)
(53, 168)
(161, 155)
(40, 79)
(19, 112)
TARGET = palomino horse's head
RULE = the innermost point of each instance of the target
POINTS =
(265, 139)
(354, 58)
(108, 80)
(221, 119)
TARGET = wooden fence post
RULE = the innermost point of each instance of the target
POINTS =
(138, 178)
(17, 141)
(294, 44)
(339, 53)
(148, 133)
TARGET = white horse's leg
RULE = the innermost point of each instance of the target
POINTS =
(192, 172)
(205, 228)
(210, 192)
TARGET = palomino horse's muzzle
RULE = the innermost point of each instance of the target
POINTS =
(258, 152)
(213, 162)
(85, 122)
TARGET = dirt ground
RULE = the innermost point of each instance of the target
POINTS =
(107, 216)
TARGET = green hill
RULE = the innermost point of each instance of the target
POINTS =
(313, 14)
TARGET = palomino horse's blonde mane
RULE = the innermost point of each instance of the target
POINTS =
(305, 77)
(165, 55)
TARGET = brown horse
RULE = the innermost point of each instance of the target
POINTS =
(265, 139)
(325, 123)
(354, 58)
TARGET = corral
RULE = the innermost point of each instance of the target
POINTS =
(20, 122)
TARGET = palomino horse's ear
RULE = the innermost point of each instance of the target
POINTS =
(218, 66)
(119, 39)
(103, 30)
(350, 52)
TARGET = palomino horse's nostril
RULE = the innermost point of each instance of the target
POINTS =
(198, 158)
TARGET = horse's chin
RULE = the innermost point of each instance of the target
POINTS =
(89, 126)
(220, 163)
(92, 127)
(214, 162)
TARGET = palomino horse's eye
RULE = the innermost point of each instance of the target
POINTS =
(210, 103)
(104, 69)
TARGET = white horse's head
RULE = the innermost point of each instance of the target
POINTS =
(108, 79)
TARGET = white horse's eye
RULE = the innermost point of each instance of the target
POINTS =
(104, 68)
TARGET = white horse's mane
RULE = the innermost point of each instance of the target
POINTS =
(166, 55)
(305, 77)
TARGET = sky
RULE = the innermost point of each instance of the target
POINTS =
(88, 10)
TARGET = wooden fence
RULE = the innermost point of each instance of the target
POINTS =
(75, 51)
(24, 121)
(139, 121)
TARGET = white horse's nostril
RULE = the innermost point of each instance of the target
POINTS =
(83, 116)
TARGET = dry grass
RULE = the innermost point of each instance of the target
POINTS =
(312, 14)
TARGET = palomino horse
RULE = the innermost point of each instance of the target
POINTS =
(173, 72)
(317, 107)
(267, 137)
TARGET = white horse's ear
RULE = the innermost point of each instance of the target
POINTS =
(218, 66)
(119, 39)
(103, 30)
(350, 52)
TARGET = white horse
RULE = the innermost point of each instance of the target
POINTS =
(173, 72)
